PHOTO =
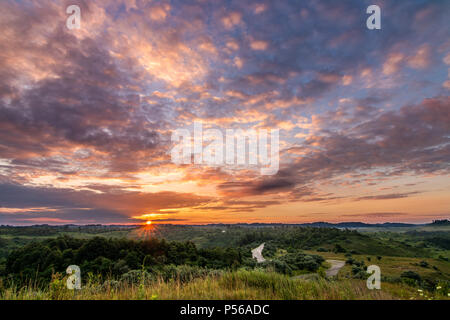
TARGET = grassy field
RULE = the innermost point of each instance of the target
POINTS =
(425, 228)
(231, 285)
(392, 266)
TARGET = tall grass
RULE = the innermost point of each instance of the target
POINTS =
(240, 284)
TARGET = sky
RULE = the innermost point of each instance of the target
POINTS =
(87, 115)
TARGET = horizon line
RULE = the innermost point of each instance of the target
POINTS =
(221, 223)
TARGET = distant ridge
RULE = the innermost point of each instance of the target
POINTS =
(361, 225)
(320, 224)
(327, 225)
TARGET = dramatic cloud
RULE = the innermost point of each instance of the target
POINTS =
(86, 115)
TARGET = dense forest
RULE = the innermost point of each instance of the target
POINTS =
(120, 258)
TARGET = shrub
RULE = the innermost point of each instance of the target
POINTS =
(443, 288)
(137, 276)
(183, 273)
(423, 264)
(111, 284)
(411, 275)
(321, 272)
(57, 286)
(279, 266)
(359, 272)
(299, 261)
(350, 261)
(338, 248)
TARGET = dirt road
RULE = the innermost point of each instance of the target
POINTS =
(336, 265)
(257, 253)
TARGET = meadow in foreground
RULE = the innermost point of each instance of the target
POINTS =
(241, 284)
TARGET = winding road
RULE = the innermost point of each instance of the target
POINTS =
(332, 271)
(336, 265)
(257, 253)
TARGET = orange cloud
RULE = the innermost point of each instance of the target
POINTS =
(347, 80)
(159, 12)
(259, 45)
(392, 63)
(231, 20)
(421, 59)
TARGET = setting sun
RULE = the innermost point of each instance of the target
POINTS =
(148, 223)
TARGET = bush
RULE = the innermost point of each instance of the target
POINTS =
(338, 248)
(300, 261)
(57, 286)
(443, 288)
(411, 275)
(183, 273)
(423, 264)
(137, 277)
(322, 272)
(279, 266)
(359, 272)
(111, 284)
(350, 261)
(120, 267)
